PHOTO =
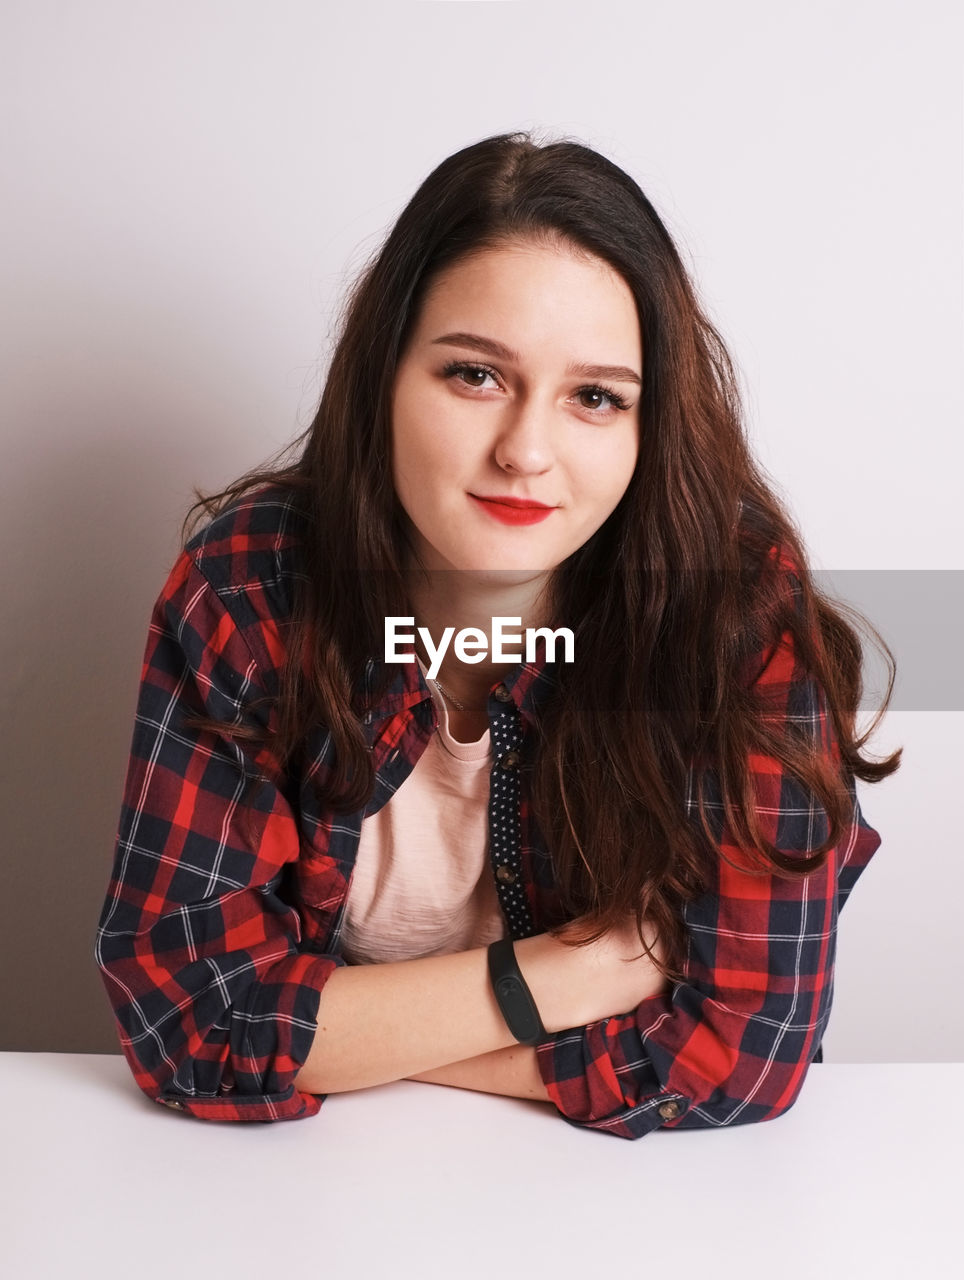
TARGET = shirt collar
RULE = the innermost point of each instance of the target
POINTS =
(531, 684)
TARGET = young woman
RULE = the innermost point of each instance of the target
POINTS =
(366, 835)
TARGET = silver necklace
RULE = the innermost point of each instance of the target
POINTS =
(448, 697)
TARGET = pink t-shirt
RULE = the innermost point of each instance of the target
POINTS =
(422, 884)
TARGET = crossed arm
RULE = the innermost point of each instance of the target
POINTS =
(436, 1019)
(513, 1072)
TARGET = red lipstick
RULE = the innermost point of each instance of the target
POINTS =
(513, 510)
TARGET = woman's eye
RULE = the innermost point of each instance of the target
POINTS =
(600, 400)
(592, 397)
(472, 375)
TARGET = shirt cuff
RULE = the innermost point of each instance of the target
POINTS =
(593, 1088)
(270, 1041)
(290, 1105)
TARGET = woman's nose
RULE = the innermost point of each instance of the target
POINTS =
(525, 441)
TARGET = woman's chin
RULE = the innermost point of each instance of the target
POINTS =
(478, 575)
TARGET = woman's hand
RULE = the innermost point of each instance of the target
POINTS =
(623, 941)
(573, 986)
(626, 974)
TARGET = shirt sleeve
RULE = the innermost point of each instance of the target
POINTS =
(215, 1004)
(732, 1043)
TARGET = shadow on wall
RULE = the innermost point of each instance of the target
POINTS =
(93, 522)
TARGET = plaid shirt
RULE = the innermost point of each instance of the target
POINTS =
(224, 914)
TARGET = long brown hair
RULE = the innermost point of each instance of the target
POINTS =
(670, 601)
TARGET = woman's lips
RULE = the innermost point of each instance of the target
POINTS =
(513, 510)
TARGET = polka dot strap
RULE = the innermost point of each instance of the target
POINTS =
(505, 825)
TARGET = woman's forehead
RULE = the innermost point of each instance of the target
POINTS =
(527, 291)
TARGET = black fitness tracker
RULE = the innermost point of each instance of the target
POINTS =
(514, 997)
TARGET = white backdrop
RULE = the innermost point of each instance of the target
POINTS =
(188, 187)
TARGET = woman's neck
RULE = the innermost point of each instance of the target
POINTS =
(459, 600)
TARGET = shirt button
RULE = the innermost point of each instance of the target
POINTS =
(172, 1103)
(502, 694)
(669, 1110)
(509, 761)
(505, 874)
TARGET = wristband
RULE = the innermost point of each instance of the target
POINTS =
(514, 997)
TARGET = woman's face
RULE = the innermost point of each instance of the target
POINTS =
(515, 411)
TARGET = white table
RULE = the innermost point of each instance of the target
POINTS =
(862, 1178)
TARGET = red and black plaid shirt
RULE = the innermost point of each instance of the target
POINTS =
(217, 935)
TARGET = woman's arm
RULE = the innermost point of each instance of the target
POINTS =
(198, 948)
(383, 1022)
(732, 1043)
(512, 1072)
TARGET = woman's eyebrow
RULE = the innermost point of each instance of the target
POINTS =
(489, 346)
